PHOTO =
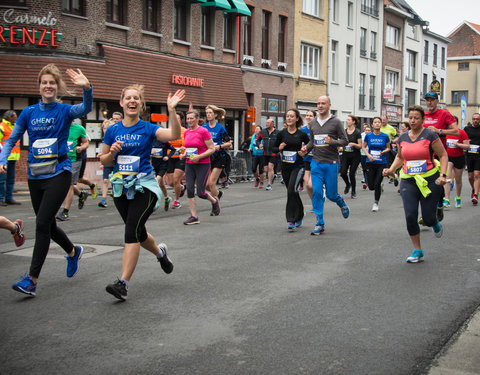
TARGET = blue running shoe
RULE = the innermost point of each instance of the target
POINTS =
(416, 257)
(345, 211)
(26, 285)
(72, 262)
(291, 226)
(438, 230)
(299, 223)
(318, 230)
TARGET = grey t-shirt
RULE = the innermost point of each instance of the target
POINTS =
(322, 152)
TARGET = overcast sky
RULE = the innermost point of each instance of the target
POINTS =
(445, 15)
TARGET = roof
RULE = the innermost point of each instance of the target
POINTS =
(465, 40)
(223, 84)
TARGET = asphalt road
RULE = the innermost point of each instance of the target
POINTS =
(246, 296)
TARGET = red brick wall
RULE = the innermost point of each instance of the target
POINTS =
(465, 42)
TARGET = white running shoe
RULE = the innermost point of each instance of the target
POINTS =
(375, 207)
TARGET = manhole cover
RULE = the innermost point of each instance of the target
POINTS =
(57, 252)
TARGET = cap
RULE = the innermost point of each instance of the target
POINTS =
(431, 95)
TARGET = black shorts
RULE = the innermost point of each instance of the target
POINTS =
(175, 163)
(258, 161)
(458, 161)
(270, 159)
(82, 168)
(160, 168)
(218, 161)
(473, 163)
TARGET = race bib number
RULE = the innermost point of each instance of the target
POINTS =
(319, 140)
(416, 166)
(70, 146)
(289, 156)
(128, 164)
(177, 152)
(377, 155)
(157, 152)
(45, 148)
(191, 152)
(474, 149)
(452, 143)
(348, 149)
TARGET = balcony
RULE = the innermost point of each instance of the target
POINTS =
(373, 55)
(363, 53)
(248, 59)
(369, 10)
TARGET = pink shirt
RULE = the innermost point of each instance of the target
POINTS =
(196, 140)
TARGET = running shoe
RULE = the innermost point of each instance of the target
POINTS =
(26, 285)
(317, 230)
(421, 222)
(255, 185)
(103, 203)
(416, 257)
(365, 186)
(475, 199)
(382, 187)
(176, 204)
(452, 185)
(354, 195)
(225, 185)
(446, 203)
(269, 187)
(395, 180)
(183, 190)
(165, 262)
(298, 224)
(220, 194)
(345, 210)
(167, 203)
(375, 207)
(282, 181)
(300, 188)
(118, 289)
(62, 216)
(81, 199)
(216, 207)
(261, 185)
(438, 230)
(18, 235)
(94, 191)
(291, 226)
(72, 262)
(472, 194)
(440, 213)
(191, 220)
(347, 189)
(458, 202)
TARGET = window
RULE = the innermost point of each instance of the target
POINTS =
(443, 58)
(265, 33)
(348, 67)
(363, 42)
(463, 66)
(370, 7)
(457, 97)
(411, 97)
(391, 78)
(335, 11)
(117, 11)
(76, 7)
(373, 45)
(274, 107)
(310, 61)
(425, 84)
(361, 92)
(442, 88)
(334, 60)
(392, 37)
(412, 65)
(435, 54)
(180, 20)
(247, 34)
(229, 30)
(150, 19)
(350, 14)
(411, 31)
(282, 33)
(425, 52)
(372, 93)
(311, 7)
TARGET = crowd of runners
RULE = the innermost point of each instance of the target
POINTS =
(425, 158)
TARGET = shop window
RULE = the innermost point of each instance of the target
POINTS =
(76, 7)
(117, 11)
(180, 20)
(229, 30)
(150, 15)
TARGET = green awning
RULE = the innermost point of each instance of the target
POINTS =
(220, 4)
(239, 7)
(198, 1)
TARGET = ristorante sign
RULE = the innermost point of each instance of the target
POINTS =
(39, 32)
(178, 79)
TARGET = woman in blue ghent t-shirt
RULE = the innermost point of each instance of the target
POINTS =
(128, 145)
(375, 146)
(49, 169)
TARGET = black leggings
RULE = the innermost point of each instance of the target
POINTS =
(134, 213)
(200, 173)
(411, 196)
(47, 196)
(292, 176)
(350, 160)
(375, 178)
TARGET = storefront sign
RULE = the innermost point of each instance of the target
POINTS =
(393, 113)
(388, 92)
(187, 81)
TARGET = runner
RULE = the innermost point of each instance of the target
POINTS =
(128, 144)
(257, 159)
(85, 181)
(290, 142)
(363, 158)
(415, 154)
(199, 147)
(176, 166)
(160, 165)
(378, 145)
(48, 124)
(107, 170)
(351, 155)
(326, 135)
(473, 156)
(15, 228)
(265, 140)
(456, 147)
(307, 177)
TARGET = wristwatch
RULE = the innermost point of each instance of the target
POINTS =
(440, 132)
(443, 175)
